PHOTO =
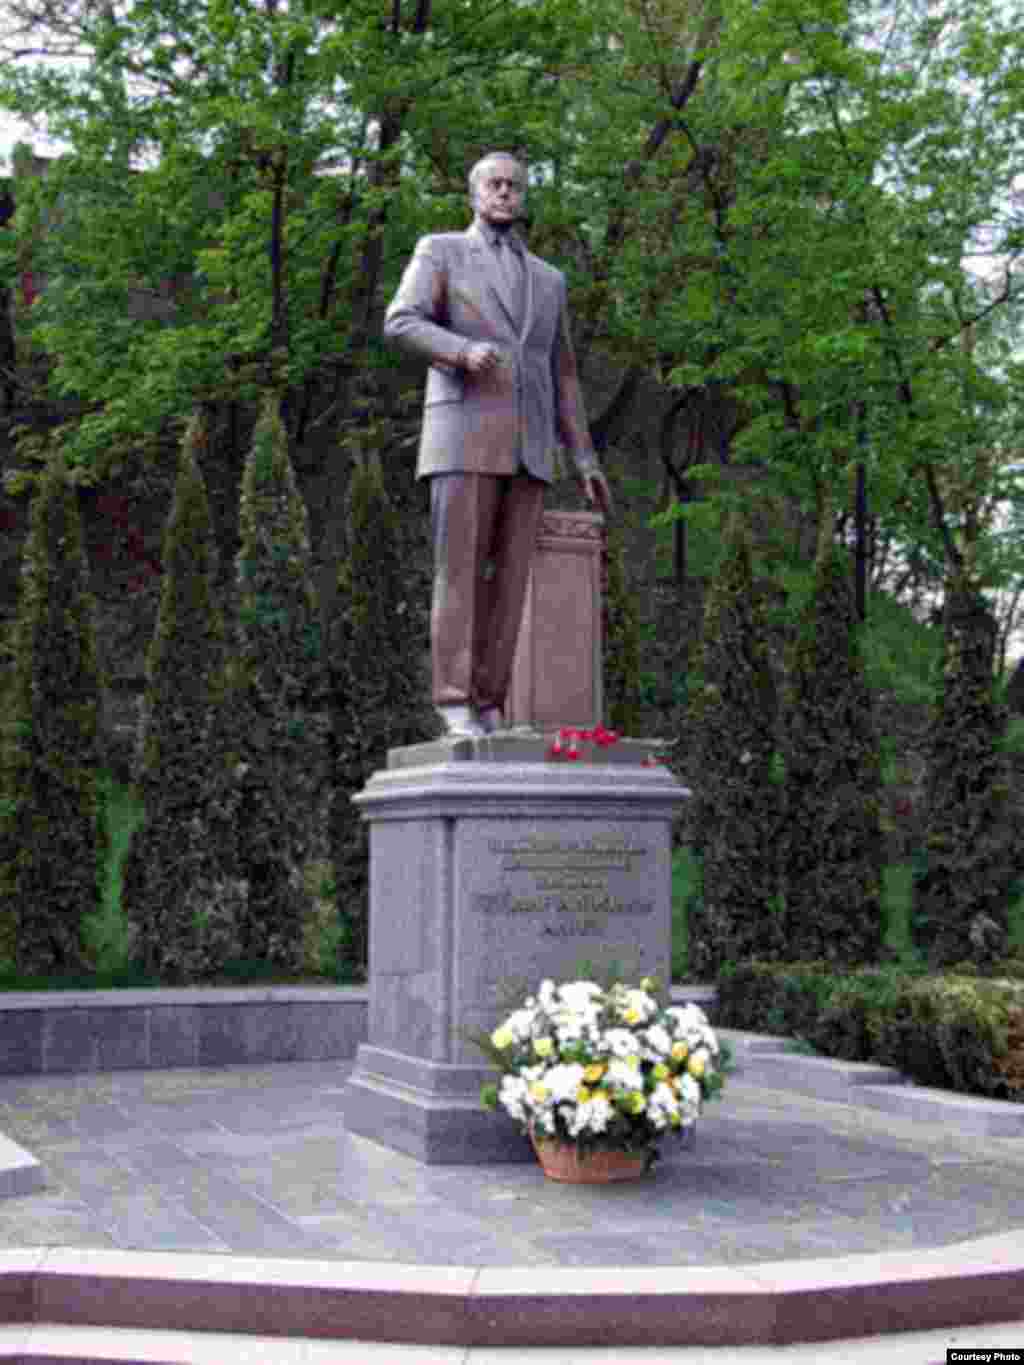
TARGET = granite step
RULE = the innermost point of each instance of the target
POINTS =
(967, 1113)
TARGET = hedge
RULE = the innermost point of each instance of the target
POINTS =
(958, 1031)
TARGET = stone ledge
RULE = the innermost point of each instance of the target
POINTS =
(821, 1078)
(52, 1033)
(777, 1303)
(969, 1113)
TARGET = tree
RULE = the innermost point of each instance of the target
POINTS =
(183, 890)
(734, 718)
(379, 677)
(281, 686)
(622, 641)
(970, 862)
(832, 847)
(51, 840)
(838, 291)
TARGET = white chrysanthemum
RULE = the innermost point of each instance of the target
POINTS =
(546, 994)
(570, 1031)
(520, 1024)
(593, 1116)
(690, 1024)
(622, 1076)
(689, 1098)
(512, 1095)
(635, 1002)
(662, 1105)
(563, 1081)
(620, 1042)
(579, 995)
(659, 1040)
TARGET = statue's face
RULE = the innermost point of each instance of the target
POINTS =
(499, 191)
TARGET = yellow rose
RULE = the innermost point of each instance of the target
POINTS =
(543, 1047)
(538, 1092)
(635, 1102)
(680, 1052)
(502, 1037)
(675, 1120)
(583, 1095)
(594, 1071)
(661, 1072)
(695, 1066)
(632, 1015)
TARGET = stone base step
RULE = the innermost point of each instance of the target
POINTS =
(52, 1301)
(52, 1344)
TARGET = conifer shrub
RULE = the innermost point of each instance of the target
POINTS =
(182, 888)
(51, 838)
(966, 871)
(379, 674)
(733, 719)
(279, 706)
(623, 679)
(833, 844)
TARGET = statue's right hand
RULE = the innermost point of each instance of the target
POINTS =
(480, 356)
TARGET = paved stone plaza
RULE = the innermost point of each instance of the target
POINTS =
(254, 1160)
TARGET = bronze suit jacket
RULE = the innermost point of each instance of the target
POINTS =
(451, 294)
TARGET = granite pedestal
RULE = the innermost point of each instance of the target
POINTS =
(490, 869)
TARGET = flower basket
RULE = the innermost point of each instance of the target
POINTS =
(563, 1161)
(597, 1077)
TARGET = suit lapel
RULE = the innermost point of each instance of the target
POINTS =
(528, 282)
(496, 282)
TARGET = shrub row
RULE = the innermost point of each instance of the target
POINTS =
(958, 1031)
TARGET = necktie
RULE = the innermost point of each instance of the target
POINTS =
(511, 272)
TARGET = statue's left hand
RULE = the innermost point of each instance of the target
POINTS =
(597, 492)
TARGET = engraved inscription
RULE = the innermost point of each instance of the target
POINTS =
(566, 877)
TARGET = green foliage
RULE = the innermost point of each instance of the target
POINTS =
(623, 680)
(969, 865)
(51, 840)
(280, 721)
(902, 657)
(733, 716)
(957, 1032)
(686, 900)
(107, 933)
(770, 997)
(832, 848)
(182, 889)
(380, 687)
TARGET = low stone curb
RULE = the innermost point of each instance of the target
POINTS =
(767, 1304)
(51, 1033)
(967, 1113)
(875, 1087)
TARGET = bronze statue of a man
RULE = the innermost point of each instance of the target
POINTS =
(502, 390)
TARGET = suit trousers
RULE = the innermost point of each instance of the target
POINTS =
(485, 529)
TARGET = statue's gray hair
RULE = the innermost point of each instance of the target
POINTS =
(475, 171)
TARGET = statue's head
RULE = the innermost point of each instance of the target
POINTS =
(497, 188)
